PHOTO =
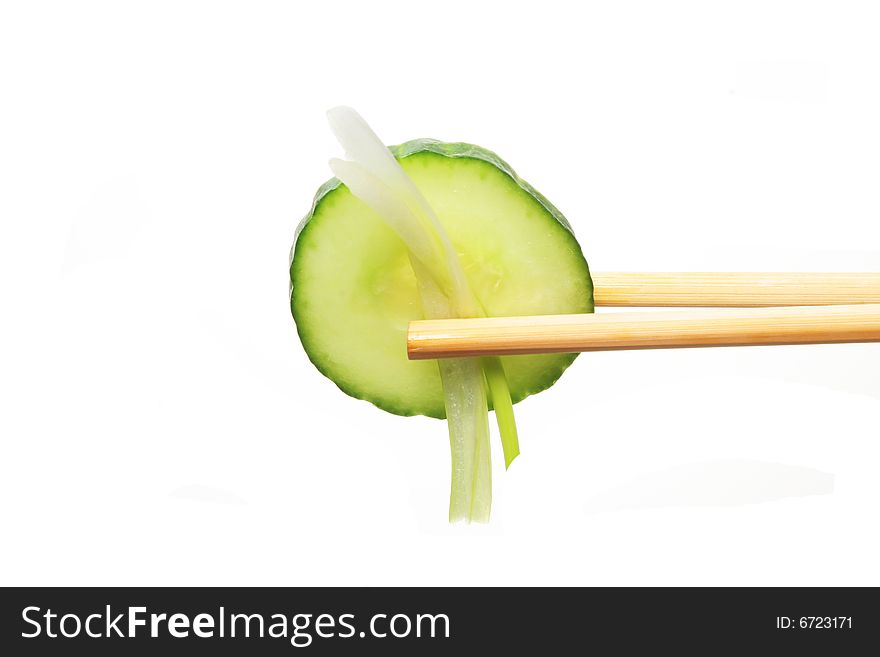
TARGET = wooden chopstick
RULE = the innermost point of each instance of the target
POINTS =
(707, 289)
(643, 330)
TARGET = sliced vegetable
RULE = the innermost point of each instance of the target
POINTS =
(354, 290)
(374, 254)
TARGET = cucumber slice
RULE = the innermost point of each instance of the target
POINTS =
(353, 291)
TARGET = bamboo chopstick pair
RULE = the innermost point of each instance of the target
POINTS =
(744, 309)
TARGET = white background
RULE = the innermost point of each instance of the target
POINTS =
(161, 423)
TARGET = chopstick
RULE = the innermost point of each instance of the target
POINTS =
(708, 289)
(643, 330)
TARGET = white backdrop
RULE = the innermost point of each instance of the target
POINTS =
(161, 423)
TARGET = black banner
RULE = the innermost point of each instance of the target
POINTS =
(433, 621)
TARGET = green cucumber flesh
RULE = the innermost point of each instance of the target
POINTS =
(353, 291)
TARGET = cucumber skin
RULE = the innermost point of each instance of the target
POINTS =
(452, 150)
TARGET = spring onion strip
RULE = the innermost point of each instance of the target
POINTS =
(374, 176)
(501, 402)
